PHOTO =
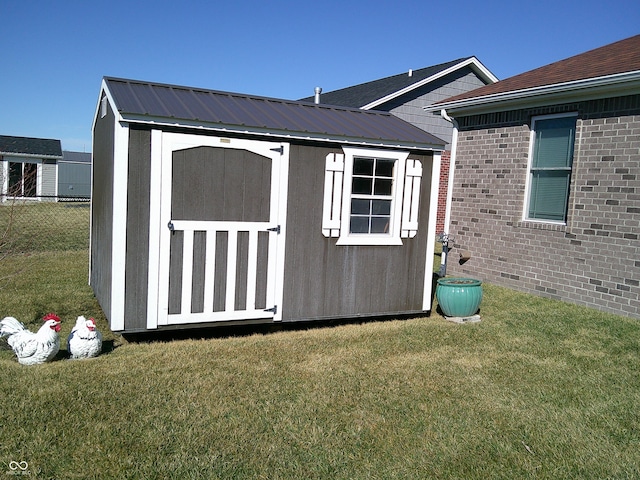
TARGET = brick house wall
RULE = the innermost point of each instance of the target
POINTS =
(594, 259)
(445, 160)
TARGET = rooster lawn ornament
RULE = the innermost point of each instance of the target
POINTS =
(32, 348)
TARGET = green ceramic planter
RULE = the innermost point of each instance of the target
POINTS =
(459, 297)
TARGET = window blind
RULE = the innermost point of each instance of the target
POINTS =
(551, 168)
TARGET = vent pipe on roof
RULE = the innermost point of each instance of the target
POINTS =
(318, 91)
(411, 72)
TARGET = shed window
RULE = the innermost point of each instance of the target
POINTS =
(103, 107)
(371, 197)
(550, 168)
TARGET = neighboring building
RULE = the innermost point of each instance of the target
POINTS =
(74, 175)
(546, 185)
(405, 95)
(215, 208)
(28, 167)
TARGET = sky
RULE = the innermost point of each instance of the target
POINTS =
(54, 54)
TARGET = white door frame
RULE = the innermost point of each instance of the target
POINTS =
(163, 144)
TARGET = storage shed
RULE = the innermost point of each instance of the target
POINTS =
(215, 208)
(74, 176)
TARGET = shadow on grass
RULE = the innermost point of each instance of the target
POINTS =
(108, 346)
(204, 331)
(227, 331)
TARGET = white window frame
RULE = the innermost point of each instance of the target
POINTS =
(392, 237)
(5, 177)
(527, 192)
(103, 106)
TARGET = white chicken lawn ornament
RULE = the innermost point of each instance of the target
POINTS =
(84, 341)
(32, 348)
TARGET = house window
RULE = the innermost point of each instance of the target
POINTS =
(550, 163)
(371, 197)
(23, 179)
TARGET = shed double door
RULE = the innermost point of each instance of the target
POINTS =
(222, 243)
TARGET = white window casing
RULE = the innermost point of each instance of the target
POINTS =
(405, 197)
(5, 178)
(528, 186)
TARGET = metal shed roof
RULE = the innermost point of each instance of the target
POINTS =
(155, 103)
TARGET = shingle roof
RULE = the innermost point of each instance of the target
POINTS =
(358, 96)
(138, 101)
(78, 157)
(33, 147)
(619, 57)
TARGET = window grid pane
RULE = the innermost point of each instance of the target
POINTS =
(379, 225)
(362, 186)
(360, 206)
(359, 224)
(363, 166)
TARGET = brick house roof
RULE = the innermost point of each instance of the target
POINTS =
(32, 147)
(616, 58)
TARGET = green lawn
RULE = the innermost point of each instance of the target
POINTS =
(538, 389)
(43, 226)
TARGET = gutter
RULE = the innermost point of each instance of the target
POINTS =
(447, 215)
(618, 84)
(38, 156)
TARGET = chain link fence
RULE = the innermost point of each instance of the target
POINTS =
(43, 224)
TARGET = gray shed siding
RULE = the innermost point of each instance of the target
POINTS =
(102, 210)
(594, 259)
(323, 280)
(137, 255)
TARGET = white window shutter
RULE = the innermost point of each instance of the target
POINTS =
(411, 200)
(332, 206)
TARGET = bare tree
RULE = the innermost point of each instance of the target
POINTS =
(20, 184)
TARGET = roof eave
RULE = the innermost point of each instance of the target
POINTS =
(587, 89)
(473, 62)
(276, 133)
(39, 156)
